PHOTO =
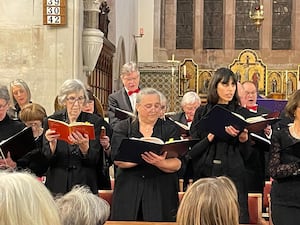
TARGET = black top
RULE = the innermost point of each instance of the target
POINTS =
(34, 160)
(144, 186)
(221, 157)
(68, 166)
(283, 167)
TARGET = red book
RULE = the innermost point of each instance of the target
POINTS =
(64, 129)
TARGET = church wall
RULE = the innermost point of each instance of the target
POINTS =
(41, 55)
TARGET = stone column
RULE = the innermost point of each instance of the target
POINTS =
(92, 37)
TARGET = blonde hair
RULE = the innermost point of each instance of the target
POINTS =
(81, 207)
(209, 201)
(25, 201)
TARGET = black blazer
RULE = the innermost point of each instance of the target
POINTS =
(119, 99)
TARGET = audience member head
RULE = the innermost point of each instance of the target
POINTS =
(26, 201)
(81, 207)
(148, 105)
(189, 103)
(92, 104)
(209, 201)
(250, 93)
(130, 76)
(33, 115)
(20, 93)
(4, 101)
(72, 95)
(292, 106)
(222, 87)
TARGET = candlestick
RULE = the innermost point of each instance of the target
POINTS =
(141, 31)
(184, 71)
(173, 57)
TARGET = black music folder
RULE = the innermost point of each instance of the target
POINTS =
(19, 144)
(219, 117)
(131, 149)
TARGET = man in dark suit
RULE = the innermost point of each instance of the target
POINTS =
(125, 97)
(257, 161)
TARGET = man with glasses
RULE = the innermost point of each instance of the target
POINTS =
(256, 165)
(124, 98)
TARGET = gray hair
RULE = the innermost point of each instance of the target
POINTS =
(190, 98)
(81, 207)
(21, 83)
(4, 93)
(128, 68)
(147, 91)
(70, 86)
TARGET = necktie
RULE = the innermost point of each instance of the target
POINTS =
(135, 91)
(252, 108)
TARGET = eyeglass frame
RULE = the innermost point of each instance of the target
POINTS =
(72, 100)
(3, 106)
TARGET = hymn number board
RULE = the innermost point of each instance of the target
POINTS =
(54, 12)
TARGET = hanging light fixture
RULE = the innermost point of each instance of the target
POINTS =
(257, 14)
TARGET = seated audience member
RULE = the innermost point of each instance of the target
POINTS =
(20, 95)
(32, 115)
(81, 207)
(8, 126)
(209, 201)
(124, 98)
(189, 103)
(147, 191)
(26, 201)
(79, 160)
(92, 106)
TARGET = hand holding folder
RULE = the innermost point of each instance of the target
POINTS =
(131, 149)
(218, 118)
(19, 144)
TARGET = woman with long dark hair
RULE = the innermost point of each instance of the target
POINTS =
(213, 156)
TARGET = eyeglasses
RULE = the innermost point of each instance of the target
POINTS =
(250, 93)
(3, 106)
(148, 107)
(72, 99)
(130, 78)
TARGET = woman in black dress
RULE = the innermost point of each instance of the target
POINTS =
(147, 191)
(80, 162)
(8, 127)
(214, 156)
(284, 168)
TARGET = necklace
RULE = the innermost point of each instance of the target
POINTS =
(294, 133)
